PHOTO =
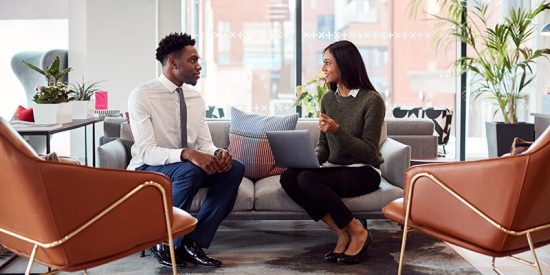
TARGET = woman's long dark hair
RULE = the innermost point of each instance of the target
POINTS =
(352, 69)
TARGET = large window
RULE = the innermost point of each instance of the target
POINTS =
(397, 50)
(28, 35)
(481, 109)
(25, 35)
(251, 63)
(248, 53)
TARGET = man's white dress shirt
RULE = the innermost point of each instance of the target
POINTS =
(155, 122)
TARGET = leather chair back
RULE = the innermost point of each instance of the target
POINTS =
(79, 216)
(513, 191)
(24, 204)
(532, 207)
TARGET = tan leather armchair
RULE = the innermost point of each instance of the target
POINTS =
(497, 207)
(71, 217)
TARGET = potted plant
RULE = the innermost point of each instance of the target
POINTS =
(499, 60)
(309, 95)
(51, 100)
(80, 95)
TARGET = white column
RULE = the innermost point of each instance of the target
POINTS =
(112, 41)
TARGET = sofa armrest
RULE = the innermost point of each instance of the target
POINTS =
(111, 129)
(115, 154)
(397, 159)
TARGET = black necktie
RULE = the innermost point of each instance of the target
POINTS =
(183, 118)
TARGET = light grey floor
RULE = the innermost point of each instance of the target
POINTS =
(294, 247)
(508, 265)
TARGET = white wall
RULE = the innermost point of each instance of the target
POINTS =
(119, 45)
(33, 9)
(115, 41)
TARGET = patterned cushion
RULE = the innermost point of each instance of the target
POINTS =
(519, 146)
(248, 141)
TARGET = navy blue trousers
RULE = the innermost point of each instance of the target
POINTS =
(187, 179)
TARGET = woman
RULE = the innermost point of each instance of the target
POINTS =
(350, 123)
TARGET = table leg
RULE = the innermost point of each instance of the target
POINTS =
(47, 144)
(86, 145)
(93, 144)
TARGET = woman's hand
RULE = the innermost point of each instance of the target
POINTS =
(327, 124)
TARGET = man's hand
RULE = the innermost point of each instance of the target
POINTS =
(327, 124)
(206, 162)
(224, 160)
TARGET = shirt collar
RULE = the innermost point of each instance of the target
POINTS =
(352, 93)
(169, 85)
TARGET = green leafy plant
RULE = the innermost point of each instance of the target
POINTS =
(55, 91)
(309, 96)
(52, 74)
(83, 91)
(51, 94)
(499, 58)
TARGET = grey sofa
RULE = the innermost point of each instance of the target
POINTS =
(264, 198)
(417, 133)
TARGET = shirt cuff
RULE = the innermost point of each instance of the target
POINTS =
(175, 155)
(212, 150)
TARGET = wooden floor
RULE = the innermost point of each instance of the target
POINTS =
(507, 265)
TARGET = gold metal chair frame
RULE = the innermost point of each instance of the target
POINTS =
(527, 232)
(97, 217)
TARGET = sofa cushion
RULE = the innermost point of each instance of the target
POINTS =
(519, 146)
(248, 141)
(244, 202)
(410, 127)
(270, 196)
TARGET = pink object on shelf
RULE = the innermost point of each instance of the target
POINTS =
(24, 114)
(101, 100)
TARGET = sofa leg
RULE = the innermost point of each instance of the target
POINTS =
(142, 253)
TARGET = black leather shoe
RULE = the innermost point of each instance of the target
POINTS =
(357, 258)
(332, 256)
(193, 253)
(161, 252)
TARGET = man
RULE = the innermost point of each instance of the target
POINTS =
(171, 136)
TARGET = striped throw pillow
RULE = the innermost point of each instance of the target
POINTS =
(248, 141)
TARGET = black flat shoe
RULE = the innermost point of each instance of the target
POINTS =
(161, 252)
(332, 256)
(357, 258)
(192, 252)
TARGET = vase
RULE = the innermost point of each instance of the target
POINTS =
(82, 109)
(53, 113)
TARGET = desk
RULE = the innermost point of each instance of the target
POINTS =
(30, 130)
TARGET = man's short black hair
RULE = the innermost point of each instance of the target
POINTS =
(173, 43)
